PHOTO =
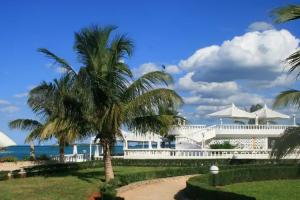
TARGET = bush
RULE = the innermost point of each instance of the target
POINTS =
(200, 186)
(3, 175)
(224, 145)
(9, 159)
(43, 157)
(108, 191)
(256, 174)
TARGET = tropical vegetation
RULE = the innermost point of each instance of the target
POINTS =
(103, 95)
(290, 140)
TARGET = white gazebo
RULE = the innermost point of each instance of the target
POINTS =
(5, 141)
(268, 114)
(233, 112)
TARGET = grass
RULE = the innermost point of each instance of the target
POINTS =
(75, 186)
(271, 190)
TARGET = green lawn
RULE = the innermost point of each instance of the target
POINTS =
(76, 186)
(268, 190)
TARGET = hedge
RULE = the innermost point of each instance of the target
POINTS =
(199, 188)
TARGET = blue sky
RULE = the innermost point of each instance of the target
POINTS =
(218, 51)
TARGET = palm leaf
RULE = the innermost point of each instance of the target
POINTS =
(288, 143)
(25, 124)
(287, 13)
(287, 97)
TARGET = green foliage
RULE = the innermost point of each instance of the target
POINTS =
(3, 175)
(288, 143)
(224, 145)
(200, 186)
(9, 159)
(108, 191)
(286, 13)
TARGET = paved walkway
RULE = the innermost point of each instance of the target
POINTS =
(160, 189)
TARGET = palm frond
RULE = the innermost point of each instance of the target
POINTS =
(25, 124)
(287, 13)
(288, 143)
(287, 97)
(294, 62)
(57, 60)
(147, 82)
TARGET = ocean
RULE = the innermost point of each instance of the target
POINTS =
(22, 151)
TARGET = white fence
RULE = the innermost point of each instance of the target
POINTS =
(198, 154)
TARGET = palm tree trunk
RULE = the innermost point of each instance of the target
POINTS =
(32, 154)
(62, 150)
(108, 169)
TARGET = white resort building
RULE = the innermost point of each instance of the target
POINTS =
(251, 140)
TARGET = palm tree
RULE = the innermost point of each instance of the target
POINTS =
(107, 95)
(290, 140)
(57, 103)
(31, 125)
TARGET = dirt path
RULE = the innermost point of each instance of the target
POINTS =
(158, 189)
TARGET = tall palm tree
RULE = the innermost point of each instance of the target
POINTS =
(107, 95)
(114, 99)
(31, 125)
(290, 140)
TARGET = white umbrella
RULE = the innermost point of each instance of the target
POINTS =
(75, 149)
(267, 113)
(5, 141)
(233, 112)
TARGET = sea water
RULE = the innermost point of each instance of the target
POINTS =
(23, 151)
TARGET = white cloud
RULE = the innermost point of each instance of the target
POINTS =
(223, 89)
(260, 26)
(21, 95)
(252, 56)
(9, 109)
(146, 68)
(172, 69)
(4, 102)
(150, 67)
(60, 70)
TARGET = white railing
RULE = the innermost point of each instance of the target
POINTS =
(73, 158)
(274, 130)
(198, 154)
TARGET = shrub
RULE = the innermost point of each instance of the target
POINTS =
(43, 157)
(3, 175)
(108, 191)
(9, 159)
(224, 145)
(200, 186)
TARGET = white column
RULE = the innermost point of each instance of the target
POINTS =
(266, 143)
(91, 150)
(203, 141)
(221, 121)
(294, 120)
(125, 145)
(256, 120)
(150, 144)
(96, 153)
(158, 144)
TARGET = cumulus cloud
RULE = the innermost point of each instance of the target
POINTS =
(252, 56)
(150, 67)
(21, 95)
(260, 26)
(209, 89)
(4, 102)
(9, 109)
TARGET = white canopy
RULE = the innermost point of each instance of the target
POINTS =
(5, 141)
(233, 112)
(267, 113)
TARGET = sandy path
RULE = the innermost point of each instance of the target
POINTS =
(158, 189)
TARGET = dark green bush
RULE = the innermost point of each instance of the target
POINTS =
(3, 175)
(200, 186)
(9, 159)
(224, 145)
(108, 191)
(256, 174)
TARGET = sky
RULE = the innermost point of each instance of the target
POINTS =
(219, 52)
